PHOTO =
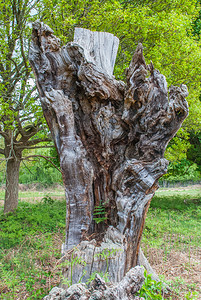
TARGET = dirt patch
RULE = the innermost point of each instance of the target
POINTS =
(47, 265)
(183, 270)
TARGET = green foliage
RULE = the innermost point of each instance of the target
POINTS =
(194, 151)
(197, 26)
(184, 153)
(19, 108)
(74, 261)
(9, 278)
(101, 274)
(99, 214)
(192, 296)
(106, 254)
(151, 289)
(182, 171)
(48, 200)
(22, 267)
(39, 170)
(54, 154)
(178, 146)
(197, 23)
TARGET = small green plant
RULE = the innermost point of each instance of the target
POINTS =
(106, 254)
(100, 214)
(151, 289)
(74, 260)
(178, 285)
(47, 200)
(65, 280)
(93, 276)
(192, 296)
(9, 278)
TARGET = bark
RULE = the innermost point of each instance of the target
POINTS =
(12, 182)
(99, 290)
(111, 138)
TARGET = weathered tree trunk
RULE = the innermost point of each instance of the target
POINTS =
(111, 139)
(12, 182)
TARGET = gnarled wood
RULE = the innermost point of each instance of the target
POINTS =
(110, 137)
(99, 290)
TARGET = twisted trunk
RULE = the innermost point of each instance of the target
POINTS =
(111, 139)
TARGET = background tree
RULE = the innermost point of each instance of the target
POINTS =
(21, 122)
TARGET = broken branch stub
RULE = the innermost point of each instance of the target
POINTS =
(110, 137)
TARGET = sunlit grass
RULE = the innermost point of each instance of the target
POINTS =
(181, 191)
(37, 195)
(175, 216)
(30, 245)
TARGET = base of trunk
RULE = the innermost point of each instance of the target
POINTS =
(90, 257)
(107, 258)
(100, 290)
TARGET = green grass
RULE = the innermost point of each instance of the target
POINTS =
(28, 248)
(31, 238)
(29, 219)
(180, 191)
(176, 217)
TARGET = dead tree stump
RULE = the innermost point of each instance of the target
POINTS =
(110, 137)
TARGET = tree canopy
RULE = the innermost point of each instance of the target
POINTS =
(165, 28)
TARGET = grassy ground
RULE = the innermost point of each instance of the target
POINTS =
(31, 239)
(30, 246)
(33, 194)
(172, 239)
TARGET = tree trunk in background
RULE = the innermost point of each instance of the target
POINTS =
(111, 139)
(12, 182)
